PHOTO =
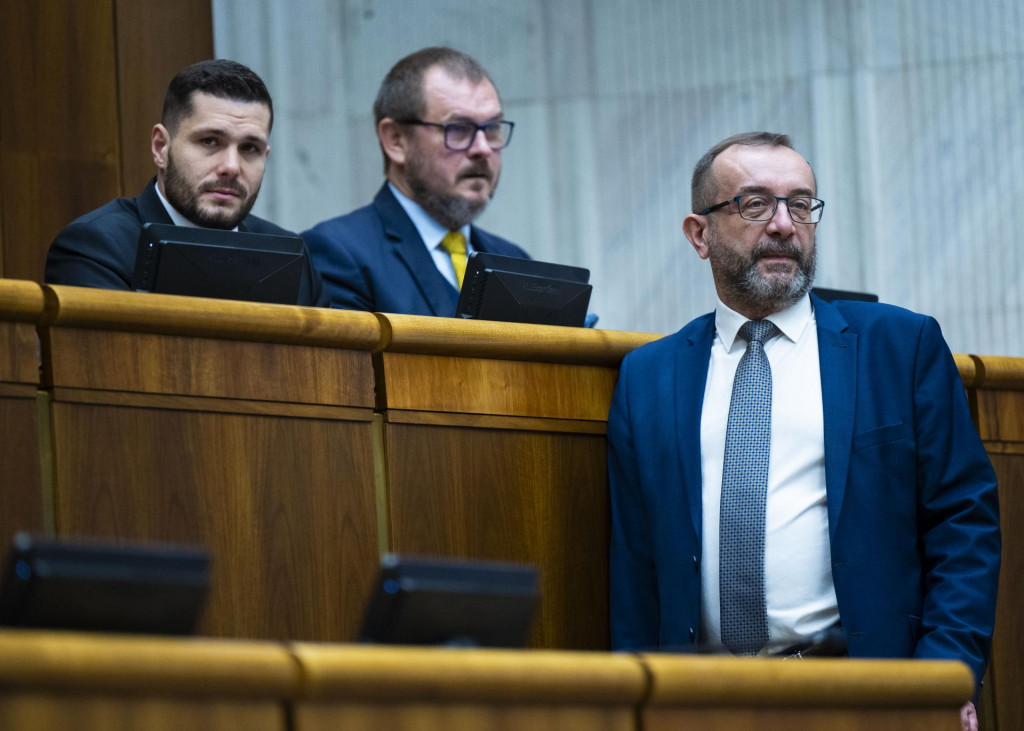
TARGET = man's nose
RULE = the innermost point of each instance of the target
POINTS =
(479, 147)
(228, 164)
(781, 223)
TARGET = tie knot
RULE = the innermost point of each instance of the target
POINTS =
(454, 243)
(758, 331)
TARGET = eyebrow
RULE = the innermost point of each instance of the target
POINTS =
(764, 189)
(222, 132)
(499, 117)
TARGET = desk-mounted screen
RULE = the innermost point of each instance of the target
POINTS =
(103, 586)
(428, 601)
(203, 262)
(523, 290)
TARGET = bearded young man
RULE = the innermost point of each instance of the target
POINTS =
(785, 466)
(210, 150)
(441, 130)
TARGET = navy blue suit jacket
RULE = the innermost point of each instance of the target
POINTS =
(98, 249)
(374, 259)
(912, 510)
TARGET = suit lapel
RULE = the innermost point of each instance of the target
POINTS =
(837, 356)
(408, 246)
(691, 374)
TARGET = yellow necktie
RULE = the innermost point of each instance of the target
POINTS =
(455, 244)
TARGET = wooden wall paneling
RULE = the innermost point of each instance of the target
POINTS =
(997, 392)
(495, 442)
(58, 122)
(182, 419)
(155, 40)
(513, 494)
(285, 504)
(22, 507)
(1006, 668)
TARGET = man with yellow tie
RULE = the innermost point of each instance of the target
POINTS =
(442, 131)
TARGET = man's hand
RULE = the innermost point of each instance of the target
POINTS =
(969, 717)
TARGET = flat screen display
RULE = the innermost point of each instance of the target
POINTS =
(203, 262)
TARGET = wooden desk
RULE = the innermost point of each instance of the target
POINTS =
(241, 426)
(995, 387)
(458, 690)
(735, 694)
(56, 680)
(494, 436)
(22, 506)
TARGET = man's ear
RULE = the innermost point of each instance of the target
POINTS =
(393, 141)
(695, 227)
(160, 143)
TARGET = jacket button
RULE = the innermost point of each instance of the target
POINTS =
(693, 635)
(696, 564)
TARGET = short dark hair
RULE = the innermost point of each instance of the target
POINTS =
(703, 186)
(401, 93)
(218, 77)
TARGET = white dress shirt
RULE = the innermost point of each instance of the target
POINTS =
(432, 233)
(799, 592)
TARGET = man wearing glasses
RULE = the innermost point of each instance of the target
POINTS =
(785, 467)
(441, 130)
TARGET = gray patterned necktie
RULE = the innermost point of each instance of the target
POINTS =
(744, 616)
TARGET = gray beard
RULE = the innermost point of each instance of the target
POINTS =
(749, 289)
(451, 211)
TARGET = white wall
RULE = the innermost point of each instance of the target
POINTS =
(909, 111)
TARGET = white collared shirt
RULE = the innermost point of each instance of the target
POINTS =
(799, 591)
(431, 232)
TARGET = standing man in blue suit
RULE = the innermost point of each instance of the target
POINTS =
(874, 505)
(442, 130)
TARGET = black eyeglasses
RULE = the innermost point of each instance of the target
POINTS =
(758, 207)
(459, 136)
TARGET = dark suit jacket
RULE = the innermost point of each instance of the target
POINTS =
(912, 510)
(374, 259)
(98, 249)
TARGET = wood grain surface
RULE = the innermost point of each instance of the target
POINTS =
(285, 505)
(510, 495)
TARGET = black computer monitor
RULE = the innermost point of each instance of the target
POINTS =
(103, 586)
(203, 262)
(431, 601)
(523, 290)
(831, 295)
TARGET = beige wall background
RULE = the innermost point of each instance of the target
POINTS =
(910, 112)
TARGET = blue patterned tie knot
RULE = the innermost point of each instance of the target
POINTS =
(744, 614)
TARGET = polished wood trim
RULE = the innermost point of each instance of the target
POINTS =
(768, 682)
(446, 674)
(18, 390)
(20, 300)
(215, 405)
(1000, 372)
(451, 384)
(478, 421)
(146, 664)
(968, 367)
(84, 307)
(506, 340)
(183, 365)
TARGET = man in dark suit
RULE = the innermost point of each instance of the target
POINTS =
(210, 150)
(862, 497)
(441, 129)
